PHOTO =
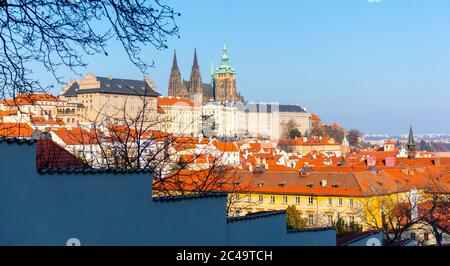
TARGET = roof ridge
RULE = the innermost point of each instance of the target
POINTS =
(91, 171)
(19, 141)
(312, 229)
(359, 236)
(256, 215)
(189, 197)
(356, 180)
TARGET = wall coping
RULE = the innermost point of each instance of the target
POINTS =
(189, 197)
(256, 215)
(316, 229)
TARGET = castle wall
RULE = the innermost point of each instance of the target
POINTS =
(116, 208)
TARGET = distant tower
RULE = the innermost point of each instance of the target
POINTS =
(195, 84)
(225, 81)
(176, 85)
(212, 81)
(345, 145)
(411, 145)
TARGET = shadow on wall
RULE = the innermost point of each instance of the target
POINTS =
(84, 206)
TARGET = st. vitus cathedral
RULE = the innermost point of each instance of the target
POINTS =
(222, 86)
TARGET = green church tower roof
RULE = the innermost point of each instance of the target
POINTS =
(225, 66)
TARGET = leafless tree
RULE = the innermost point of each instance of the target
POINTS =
(398, 214)
(181, 164)
(388, 213)
(60, 33)
(434, 213)
(291, 129)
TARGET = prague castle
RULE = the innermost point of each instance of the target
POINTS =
(222, 86)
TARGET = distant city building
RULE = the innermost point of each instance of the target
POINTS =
(269, 120)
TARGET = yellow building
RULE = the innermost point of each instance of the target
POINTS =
(364, 197)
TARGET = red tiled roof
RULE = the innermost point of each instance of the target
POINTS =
(311, 141)
(174, 100)
(75, 136)
(315, 117)
(39, 120)
(226, 146)
(347, 239)
(51, 155)
(7, 113)
(31, 99)
(17, 130)
(345, 183)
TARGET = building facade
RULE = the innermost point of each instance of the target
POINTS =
(112, 100)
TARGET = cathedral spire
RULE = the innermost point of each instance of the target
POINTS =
(211, 73)
(411, 136)
(176, 85)
(411, 145)
(195, 64)
(195, 84)
(174, 63)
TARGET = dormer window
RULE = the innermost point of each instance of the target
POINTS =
(310, 185)
(260, 184)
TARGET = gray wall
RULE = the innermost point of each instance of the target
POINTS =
(364, 241)
(272, 230)
(117, 209)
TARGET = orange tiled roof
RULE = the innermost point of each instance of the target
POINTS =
(17, 130)
(367, 183)
(311, 141)
(76, 136)
(39, 120)
(198, 158)
(7, 113)
(30, 99)
(51, 155)
(226, 146)
(174, 100)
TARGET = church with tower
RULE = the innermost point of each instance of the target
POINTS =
(221, 88)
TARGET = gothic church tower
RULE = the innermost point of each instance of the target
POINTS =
(176, 85)
(195, 83)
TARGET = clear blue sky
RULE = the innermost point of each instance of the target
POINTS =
(370, 66)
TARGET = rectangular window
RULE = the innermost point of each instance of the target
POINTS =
(297, 200)
(350, 202)
(249, 198)
(310, 200)
(285, 199)
(413, 235)
(311, 219)
(351, 219)
(330, 201)
(238, 197)
(425, 237)
(260, 198)
(330, 220)
(340, 202)
(272, 199)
